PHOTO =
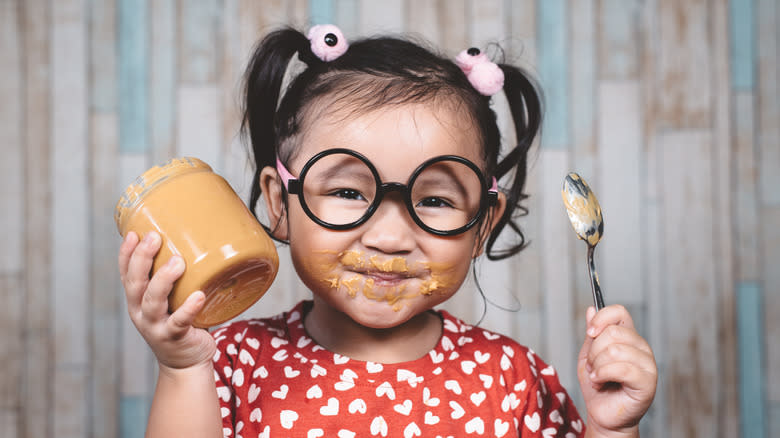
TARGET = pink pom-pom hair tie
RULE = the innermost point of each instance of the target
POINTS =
(485, 76)
(327, 42)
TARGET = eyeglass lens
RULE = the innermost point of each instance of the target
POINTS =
(340, 189)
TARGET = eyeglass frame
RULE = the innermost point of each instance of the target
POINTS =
(294, 186)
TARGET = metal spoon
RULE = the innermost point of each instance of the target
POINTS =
(585, 216)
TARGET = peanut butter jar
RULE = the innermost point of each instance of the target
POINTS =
(227, 253)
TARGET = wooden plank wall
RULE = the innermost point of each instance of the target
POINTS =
(668, 108)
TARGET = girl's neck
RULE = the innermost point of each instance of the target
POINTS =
(340, 334)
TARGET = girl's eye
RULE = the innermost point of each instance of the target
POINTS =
(348, 194)
(433, 201)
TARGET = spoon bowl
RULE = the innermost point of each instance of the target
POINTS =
(585, 216)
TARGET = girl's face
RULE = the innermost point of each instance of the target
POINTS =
(388, 269)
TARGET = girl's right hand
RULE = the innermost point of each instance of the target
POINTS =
(172, 338)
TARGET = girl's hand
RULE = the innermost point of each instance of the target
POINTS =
(172, 338)
(617, 373)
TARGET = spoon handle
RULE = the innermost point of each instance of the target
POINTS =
(598, 300)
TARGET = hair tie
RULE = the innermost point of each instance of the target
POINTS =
(485, 76)
(327, 42)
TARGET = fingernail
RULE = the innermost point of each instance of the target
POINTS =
(592, 332)
(175, 263)
(592, 375)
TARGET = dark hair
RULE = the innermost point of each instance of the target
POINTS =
(376, 72)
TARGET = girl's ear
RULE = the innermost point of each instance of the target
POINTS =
(489, 225)
(271, 188)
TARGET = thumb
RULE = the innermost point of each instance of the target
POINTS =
(181, 320)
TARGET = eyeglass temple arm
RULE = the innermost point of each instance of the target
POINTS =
(288, 180)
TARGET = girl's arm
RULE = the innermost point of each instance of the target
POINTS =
(185, 404)
(617, 373)
(185, 401)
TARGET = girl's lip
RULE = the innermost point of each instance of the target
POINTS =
(386, 277)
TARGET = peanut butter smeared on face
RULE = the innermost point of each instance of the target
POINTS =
(429, 277)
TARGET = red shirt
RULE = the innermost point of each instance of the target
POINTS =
(275, 380)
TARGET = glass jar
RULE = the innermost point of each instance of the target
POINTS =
(227, 253)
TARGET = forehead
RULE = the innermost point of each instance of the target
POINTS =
(396, 138)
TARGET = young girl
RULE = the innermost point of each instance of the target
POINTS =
(378, 165)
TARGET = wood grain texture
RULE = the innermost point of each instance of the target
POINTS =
(133, 36)
(198, 42)
(768, 100)
(771, 283)
(723, 173)
(37, 387)
(619, 190)
(618, 39)
(70, 170)
(684, 64)
(689, 285)
(162, 69)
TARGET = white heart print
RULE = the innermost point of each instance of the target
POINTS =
(314, 392)
(403, 408)
(379, 426)
(281, 393)
(288, 418)
(315, 433)
(501, 427)
(332, 408)
(412, 430)
(532, 422)
(357, 405)
(475, 425)
(430, 418)
(256, 415)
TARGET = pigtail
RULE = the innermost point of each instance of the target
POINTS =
(262, 87)
(525, 103)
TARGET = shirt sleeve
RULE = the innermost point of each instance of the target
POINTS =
(548, 410)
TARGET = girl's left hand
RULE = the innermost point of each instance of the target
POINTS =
(617, 373)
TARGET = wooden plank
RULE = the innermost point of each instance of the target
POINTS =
(103, 56)
(298, 13)
(657, 416)
(422, 19)
(376, 18)
(618, 39)
(768, 99)
(11, 353)
(619, 190)
(134, 416)
(692, 374)
(162, 80)
(71, 234)
(773, 428)
(556, 239)
(36, 418)
(723, 172)
(345, 16)
(198, 127)
(746, 189)
(105, 305)
(522, 32)
(454, 19)
(9, 422)
(71, 386)
(750, 334)
(770, 232)
(684, 64)
(268, 15)
(11, 122)
(554, 72)
(133, 79)
(742, 44)
(197, 42)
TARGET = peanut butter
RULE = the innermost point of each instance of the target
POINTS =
(227, 253)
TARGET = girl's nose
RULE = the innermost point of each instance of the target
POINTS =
(390, 229)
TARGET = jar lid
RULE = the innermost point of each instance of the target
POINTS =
(151, 179)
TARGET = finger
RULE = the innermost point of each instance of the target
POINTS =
(141, 262)
(154, 305)
(623, 353)
(582, 358)
(610, 315)
(615, 334)
(125, 251)
(181, 320)
(628, 375)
